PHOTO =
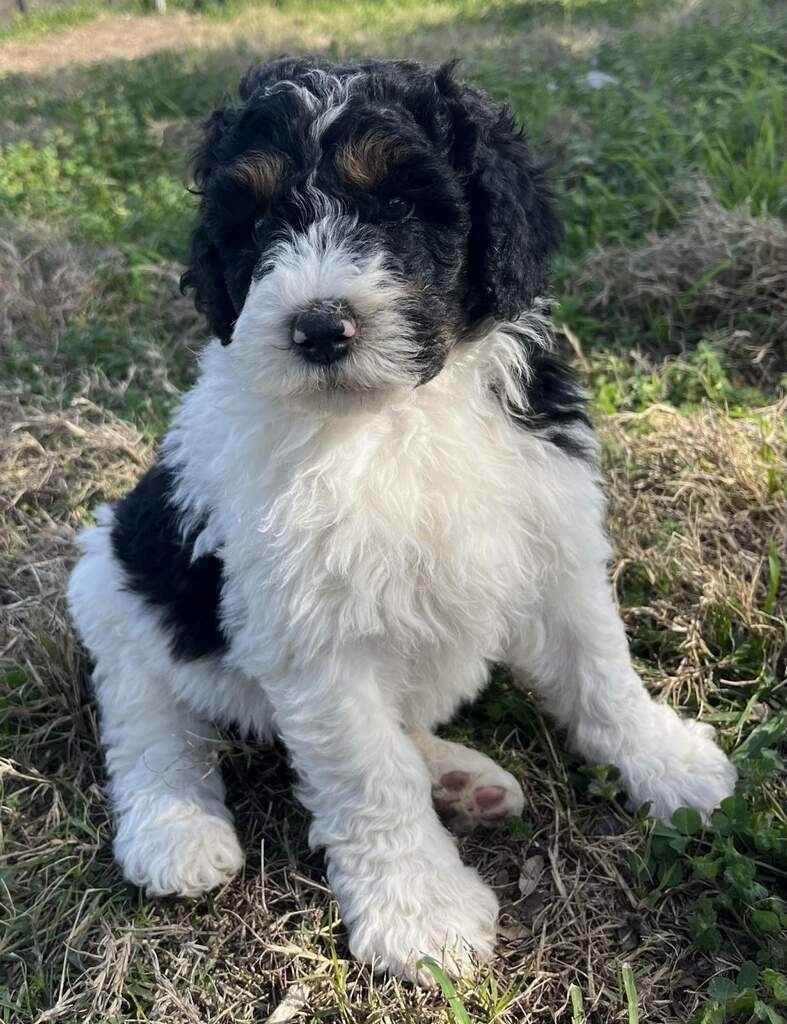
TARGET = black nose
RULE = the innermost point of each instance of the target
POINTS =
(323, 336)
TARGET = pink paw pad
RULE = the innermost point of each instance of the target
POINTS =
(455, 792)
(465, 799)
(454, 781)
(489, 797)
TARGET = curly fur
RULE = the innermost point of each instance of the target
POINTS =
(335, 552)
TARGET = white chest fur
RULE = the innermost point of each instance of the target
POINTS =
(411, 525)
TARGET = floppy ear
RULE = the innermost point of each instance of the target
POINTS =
(205, 273)
(514, 226)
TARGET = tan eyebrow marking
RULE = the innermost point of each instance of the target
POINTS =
(261, 172)
(367, 161)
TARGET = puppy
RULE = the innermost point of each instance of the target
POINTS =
(382, 482)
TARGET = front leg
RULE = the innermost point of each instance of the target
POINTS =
(174, 832)
(574, 654)
(396, 873)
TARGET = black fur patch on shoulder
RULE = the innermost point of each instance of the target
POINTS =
(556, 406)
(156, 557)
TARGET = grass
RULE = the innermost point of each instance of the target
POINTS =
(670, 296)
(41, 21)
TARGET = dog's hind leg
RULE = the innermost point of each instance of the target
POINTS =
(174, 833)
(468, 788)
(572, 649)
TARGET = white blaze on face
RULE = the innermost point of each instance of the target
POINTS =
(329, 261)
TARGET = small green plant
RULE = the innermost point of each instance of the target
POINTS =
(630, 991)
(458, 1012)
(738, 865)
(620, 385)
(603, 780)
(752, 995)
(495, 999)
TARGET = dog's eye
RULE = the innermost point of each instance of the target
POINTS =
(396, 208)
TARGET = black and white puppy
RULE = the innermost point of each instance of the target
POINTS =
(382, 482)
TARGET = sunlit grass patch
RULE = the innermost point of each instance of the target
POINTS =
(42, 20)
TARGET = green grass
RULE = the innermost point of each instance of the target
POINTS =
(680, 380)
(627, 157)
(42, 21)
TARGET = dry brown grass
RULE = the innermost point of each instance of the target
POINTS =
(48, 281)
(698, 504)
(722, 271)
(108, 37)
(44, 280)
(56, 466)
(693, 486)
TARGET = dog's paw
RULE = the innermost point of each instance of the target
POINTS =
(184, 855)
(468, 788)
(420, 911)
(691, 770)
(465, 798)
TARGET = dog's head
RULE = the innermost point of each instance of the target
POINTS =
(359, 221)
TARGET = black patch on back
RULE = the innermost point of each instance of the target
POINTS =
(556, 402)
(148, 541)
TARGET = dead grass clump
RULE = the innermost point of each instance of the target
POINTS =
(44, 280)
(48, 282)
(699, 514)
(54, 467)
(722, 271)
